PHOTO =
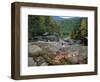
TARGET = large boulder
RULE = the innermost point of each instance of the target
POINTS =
(49, 49)
(34, 50)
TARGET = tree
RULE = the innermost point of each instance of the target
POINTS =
(80, 33)
(83, 27)
(84, 31)
(36, 26)
(39, 25)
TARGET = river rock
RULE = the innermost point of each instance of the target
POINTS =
(31, 62)
(44, 64)
(40, 61)
(34, 50)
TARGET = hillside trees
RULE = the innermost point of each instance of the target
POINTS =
(81, 32)
(38, 25)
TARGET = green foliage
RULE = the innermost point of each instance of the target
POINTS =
(81, 31)
(67, 25)
(38, 25)
(75, 27)
(83, 27)
(35, 26)
(52, 27)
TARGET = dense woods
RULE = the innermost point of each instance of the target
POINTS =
(39, 25)
(75, 27)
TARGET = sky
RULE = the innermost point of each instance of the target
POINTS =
(65, 17)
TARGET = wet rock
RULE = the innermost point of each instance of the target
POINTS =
(78, 42)
(31, 62)
(49, 49)
(40, 61)
(44, 64)
(73, 60)
(34, 50)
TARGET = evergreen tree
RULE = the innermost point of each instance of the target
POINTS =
(81, 31)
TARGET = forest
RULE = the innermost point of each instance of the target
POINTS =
(74, 27)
